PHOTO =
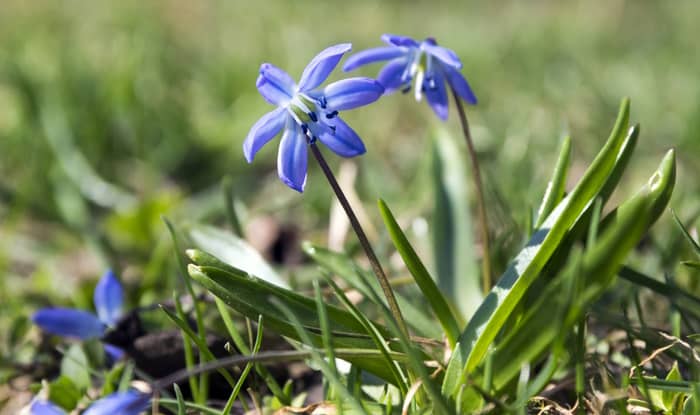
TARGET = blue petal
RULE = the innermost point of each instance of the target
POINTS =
(292, 157)
(69, 322)
(372, 55)
(109, 298)
(352, 93)
(397, 40)
(436, 93)
(445, 55)
(321, 66)
(344, 141)
(459, 84)
(45, 408)
(274, 84)
(391, 75)
(264, 130)
(114, 353)
(123, 403)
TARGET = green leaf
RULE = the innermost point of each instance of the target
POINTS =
(425, 282)
(181, 407)
(64, 393)
(670, 398)
(557, 184)
(504, 297)
(623, 228)
(251, 297)
(456, 267)
(234, 251)
(75, 366)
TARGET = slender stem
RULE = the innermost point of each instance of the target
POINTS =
(476, 173)
(376, 266)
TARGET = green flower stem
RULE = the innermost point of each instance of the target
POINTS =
(476, 174)
(369, 252)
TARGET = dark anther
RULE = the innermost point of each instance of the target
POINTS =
(304, 129)
(331, 115)
(313, 116)
(312, 139)
(323, 102)
(406, 89)
(332, 127)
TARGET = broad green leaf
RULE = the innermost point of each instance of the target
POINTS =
(234, 251)
(76, 367)
(557, 184)
(345, 267)
(455, 264)
(64, 393)
(600, 263)
(669, 398)
(251, 297)
(504, 297)
(420, 274)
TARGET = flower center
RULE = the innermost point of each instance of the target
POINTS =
(417, 73)
(309, 112)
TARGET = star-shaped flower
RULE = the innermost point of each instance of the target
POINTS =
(306, 113)
(70, 322)
(131, 402)
(425, 63)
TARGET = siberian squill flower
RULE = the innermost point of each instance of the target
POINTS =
(306, 113)
(425, 63)
(70, 322)
(131, 402)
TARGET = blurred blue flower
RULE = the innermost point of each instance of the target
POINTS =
(70, 322)
(426, 63)
(41, 407)
(131, 402)
(306, 113)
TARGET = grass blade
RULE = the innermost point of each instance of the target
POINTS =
(686, 234)
(377, 337)
(345, 267)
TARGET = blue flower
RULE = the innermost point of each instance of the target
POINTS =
(306, 113)
(42, 407)
(70, 322)
(426, 63)
(131, 402)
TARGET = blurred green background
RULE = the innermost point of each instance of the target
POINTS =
(116, 113)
